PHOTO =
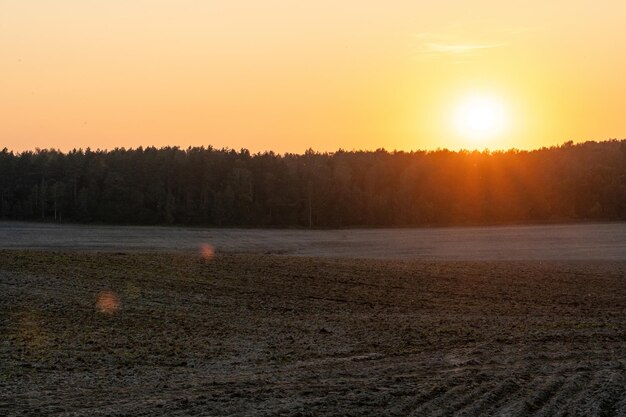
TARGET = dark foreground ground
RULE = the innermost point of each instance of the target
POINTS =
(160, 334)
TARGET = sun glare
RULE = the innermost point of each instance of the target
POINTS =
(480, 118)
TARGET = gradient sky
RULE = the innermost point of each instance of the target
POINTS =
(287, 75)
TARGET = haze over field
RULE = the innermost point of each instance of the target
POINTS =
(588, 242)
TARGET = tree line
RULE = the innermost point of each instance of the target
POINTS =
(224, 187)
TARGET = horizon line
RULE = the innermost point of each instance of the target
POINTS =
(486, 150)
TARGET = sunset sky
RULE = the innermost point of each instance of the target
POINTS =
(288, 75)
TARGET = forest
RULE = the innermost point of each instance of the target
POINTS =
(223, 187)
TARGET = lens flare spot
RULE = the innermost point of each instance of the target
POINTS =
(207, 251)
(107, 302)
(31, 334)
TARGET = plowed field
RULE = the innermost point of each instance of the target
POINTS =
(88, 333)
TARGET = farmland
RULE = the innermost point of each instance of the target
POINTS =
(126, 332)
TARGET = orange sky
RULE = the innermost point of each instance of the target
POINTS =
(288, 75)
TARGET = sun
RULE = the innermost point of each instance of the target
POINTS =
(480, 118)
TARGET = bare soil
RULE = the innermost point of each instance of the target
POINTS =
(119, 333)
(593, 241)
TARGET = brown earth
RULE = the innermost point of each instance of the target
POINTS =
(238, 334)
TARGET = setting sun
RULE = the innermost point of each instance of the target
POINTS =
(480, 118)
(286, 76)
